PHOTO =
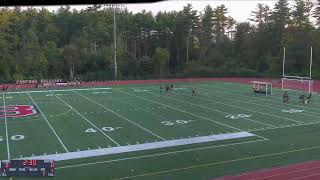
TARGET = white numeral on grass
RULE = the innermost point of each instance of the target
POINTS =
(17, 137)
(1, 138)
(293, 111)
(238, 116)
(169, 123)
(182, 121)
(108, 129)
(91, 130)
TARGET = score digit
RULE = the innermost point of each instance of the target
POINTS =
(52, 164)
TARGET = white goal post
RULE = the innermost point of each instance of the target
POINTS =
(297, 77)
(261, 87)
(303, 84)
(300, 84)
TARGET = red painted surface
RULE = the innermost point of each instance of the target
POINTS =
(306, 170)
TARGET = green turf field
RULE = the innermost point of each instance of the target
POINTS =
(142, 134)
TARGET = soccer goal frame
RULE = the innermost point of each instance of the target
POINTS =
(261, 87)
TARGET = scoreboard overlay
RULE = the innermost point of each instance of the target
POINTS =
(17, 168)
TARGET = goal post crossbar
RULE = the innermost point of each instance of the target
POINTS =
(297, 84)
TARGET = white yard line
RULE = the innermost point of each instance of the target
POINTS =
(182, 111)
(142, 147)
(154, 155)
(6, 124)
(120, 116)
(272, 99)
(86, 119)
(218, 163)
(64, 147)
(158, 154)
(221, 92)
(289, 119)
(213, 109)
(288, 126)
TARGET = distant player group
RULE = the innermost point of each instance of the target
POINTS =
(169, 89)
(302, 99)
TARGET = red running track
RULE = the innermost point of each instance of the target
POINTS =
(301, 171)
(275, 82)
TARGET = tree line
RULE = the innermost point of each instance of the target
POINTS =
(39, 44)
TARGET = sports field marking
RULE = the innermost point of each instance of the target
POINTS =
(281, 127)
(64, 147)
(143, 109)
(140, 90)
(289, 119)
(158, 154)
(218, 163)
(39, 118)
(274, 100)
(141, 147)
(215, 109)
(86, 119)
(223, 92)
(182, 111)
(6, 124)
(120, 115)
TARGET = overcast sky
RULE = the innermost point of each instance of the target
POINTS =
(239, 9)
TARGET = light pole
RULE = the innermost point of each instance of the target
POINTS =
(115, 44)
(114, 7)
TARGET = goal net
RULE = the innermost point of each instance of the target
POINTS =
(298, 84)
(261, 87)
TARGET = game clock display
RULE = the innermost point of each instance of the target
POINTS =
(16, 168)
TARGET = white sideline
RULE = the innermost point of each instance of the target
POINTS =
(5, 120)
(140, 147)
